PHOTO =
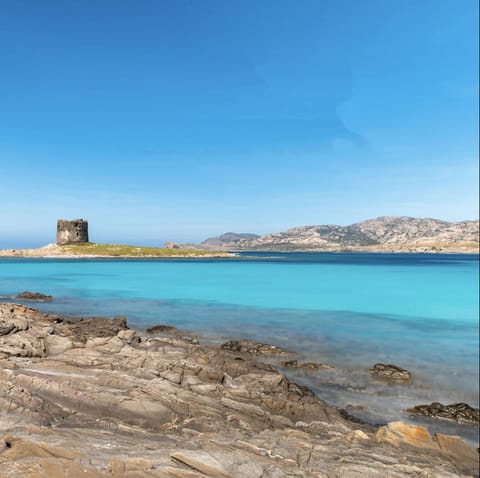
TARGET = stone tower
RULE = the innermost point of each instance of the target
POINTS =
(72, 232)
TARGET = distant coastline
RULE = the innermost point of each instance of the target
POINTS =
(387, 234)
(432, 248)
(383, 234)
(101, 251)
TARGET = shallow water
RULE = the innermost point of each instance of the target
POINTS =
(417, 311)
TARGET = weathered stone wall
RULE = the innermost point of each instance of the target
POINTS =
(72, 232)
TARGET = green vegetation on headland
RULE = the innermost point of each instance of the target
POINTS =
(90, 249)
(122, 250)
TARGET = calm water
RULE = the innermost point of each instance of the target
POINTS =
(418, 311)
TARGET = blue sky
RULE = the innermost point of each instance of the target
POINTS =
(177, 120)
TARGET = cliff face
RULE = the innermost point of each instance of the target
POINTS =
(390, 233)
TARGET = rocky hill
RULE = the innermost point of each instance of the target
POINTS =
(384, 234)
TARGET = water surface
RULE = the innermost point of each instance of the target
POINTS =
(419, 311)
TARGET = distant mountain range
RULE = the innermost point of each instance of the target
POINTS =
(390, 233)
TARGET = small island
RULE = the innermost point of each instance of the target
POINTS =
(73, 242)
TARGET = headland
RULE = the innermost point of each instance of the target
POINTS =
(92, 250)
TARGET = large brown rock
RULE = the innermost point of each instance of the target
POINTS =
(399, 433)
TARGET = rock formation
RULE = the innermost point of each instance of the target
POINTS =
(391, 372)
(397, 233)
(90, 397)
(34, 296)
(460, 412)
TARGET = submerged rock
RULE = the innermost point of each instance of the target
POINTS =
(312, 366)
(34, 296)
(391, 372)
(254, 348)
(159, 329)
(83, 328)
(460, 412)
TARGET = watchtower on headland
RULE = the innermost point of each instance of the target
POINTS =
(72, 232)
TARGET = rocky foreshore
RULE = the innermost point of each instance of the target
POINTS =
(90, 397)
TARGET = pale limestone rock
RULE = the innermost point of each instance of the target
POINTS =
(356, 435)
(203, 462)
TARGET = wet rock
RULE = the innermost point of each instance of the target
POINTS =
(34, 296)
(82, 328)
(254, 348)
(312, 366)
(460, 412)
(160, 329)
(391, 372)
(352, 418)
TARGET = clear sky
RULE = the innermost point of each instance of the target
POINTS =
(181, 119)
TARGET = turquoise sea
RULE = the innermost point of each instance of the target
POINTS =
(418, 311)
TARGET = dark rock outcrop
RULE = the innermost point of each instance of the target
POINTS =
(254, 348)
(310, 366)
(34, 296)
(162, 329)
(460, 412)
(82, 328)
(391, 372)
